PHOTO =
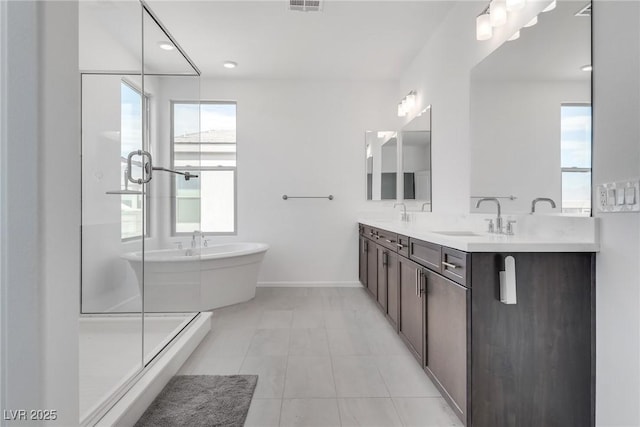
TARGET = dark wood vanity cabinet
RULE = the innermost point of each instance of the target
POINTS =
(447, 340)
(498, 365)
(362, 260)
(411, 325)
(532, 362)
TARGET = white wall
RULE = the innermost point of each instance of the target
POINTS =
(40, 201)
(521, 155)
(304, 138)
(441, 76)
(616, 156)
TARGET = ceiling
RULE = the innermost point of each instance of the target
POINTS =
(364, 40)
(553, 49)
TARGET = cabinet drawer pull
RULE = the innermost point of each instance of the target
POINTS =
(389, 241)
(400, 245)
(448, 264)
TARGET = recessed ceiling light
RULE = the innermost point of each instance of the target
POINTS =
(230, 64)
(587, 67)
(166, 46)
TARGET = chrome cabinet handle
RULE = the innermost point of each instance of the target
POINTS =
(400, 245)
(448, 264)
(385, 259)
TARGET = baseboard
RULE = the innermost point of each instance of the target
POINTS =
(309, 284)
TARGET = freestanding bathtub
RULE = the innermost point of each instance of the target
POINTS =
(186, 280)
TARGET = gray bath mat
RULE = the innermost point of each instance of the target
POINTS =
(201, 400)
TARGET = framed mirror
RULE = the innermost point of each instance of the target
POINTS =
(530, 116)
(381, 148)
(415, 140)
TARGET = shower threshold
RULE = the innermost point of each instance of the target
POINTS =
(113, 389)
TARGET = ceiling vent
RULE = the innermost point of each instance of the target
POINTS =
(305, 5)
(585, 11)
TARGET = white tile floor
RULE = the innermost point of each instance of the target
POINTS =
(325, 357)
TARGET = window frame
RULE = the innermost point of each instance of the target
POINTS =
(146, 137)
(577, 169)
(234, 169)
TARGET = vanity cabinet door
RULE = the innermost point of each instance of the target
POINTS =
(532, 361)
(412, 309)
(447, 314)
(382, 277)
(372, 268)
(362, 260)
(393, 291)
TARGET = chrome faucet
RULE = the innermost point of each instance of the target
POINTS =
(498, 225)
(404, 216)
(193, 238)
(541, 199)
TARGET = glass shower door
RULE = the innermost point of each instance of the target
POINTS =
(172, 281)
(113, 227)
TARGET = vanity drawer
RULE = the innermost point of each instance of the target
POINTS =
(387, 239)
(403, 245)
(369, 232)
(425, 253)
(454, 266)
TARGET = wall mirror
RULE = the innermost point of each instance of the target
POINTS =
(381, 149)
(416, 158)
(530, 116)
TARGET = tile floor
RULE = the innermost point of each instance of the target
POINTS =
(325, 357)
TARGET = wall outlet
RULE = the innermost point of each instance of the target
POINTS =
(620, 196)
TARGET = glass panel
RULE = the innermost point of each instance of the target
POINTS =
(575, 134)
(172, 293)
(576, 193)
(112, 227)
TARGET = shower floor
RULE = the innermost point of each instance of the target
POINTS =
(111, 351)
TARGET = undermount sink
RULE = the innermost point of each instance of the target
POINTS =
(459, 233)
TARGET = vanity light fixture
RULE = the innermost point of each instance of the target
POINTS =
(401, 110)
(498, 13)
(531, 23)
(166, 46)
(587, 67)
(484, 30)
(407, 104)
(513, 5)
(551, 6)
(230, 64)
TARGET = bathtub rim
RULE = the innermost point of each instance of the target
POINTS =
(254, 248)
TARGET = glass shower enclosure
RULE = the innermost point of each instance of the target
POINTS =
(134, 286)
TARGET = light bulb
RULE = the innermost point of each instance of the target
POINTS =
(551, 6)
(411, 100)
(531, 23)
(513, 5)
(484, 31)
(498, 13)
(401, 112)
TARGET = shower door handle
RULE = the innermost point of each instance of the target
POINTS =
(147, 167)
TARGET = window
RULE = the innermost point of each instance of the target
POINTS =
(131, 122)
(203, 141)
(575, 158)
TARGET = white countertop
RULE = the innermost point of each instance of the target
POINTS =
(536, 234)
